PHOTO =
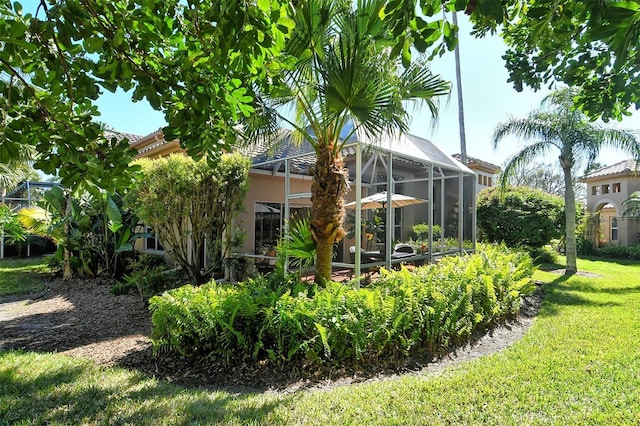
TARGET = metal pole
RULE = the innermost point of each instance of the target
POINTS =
(28, 205)
(390, 212)
(460, 212)
(430, 214)
(358, 224)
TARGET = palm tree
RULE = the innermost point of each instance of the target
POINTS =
(346, 79)
(16, 170)
(632, 205)
(559, 127)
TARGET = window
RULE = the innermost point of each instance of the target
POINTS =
(151, 243)
(616, 187)
(614, 229)
(484, 180)
(605, 189)
(479, 179)
(490, 181)
(398, 187)
(267, 225)
(595, 190)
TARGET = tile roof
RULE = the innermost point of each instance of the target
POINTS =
(110, 133)
(626, 166)
(477, 161)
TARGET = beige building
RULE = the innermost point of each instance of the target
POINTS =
(607, 189)
(484, 170)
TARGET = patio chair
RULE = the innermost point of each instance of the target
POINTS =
(402, 250)
(365, 256)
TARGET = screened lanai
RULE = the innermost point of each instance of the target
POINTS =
(25, 195)
(438, 194)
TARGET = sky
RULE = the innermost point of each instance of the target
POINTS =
(488, 100)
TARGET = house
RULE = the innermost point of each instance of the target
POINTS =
(280, 185)
(485, 171)
(607, 189)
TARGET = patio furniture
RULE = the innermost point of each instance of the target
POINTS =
(366, 256)
(402, 250)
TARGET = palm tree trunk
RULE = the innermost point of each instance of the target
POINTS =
(570, 221)
(461, 128)
(327, 207)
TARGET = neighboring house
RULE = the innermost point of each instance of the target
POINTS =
(484, 171)
(607, 189)
(280, 185)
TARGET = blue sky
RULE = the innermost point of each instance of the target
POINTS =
(488, 100)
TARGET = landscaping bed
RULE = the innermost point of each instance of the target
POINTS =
(81, 318)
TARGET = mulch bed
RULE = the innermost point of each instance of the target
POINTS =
(81, 318)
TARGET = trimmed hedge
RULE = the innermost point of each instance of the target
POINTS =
(619, 252)
(404, 312)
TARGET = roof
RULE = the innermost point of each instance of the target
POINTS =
(110, 133)
(28, 184)
(270, 156)
(478, 161)
(623, 167)
(402, 144)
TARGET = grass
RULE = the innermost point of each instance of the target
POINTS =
(578, 364)
(23, 276)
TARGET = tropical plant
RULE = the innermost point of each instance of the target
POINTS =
(632, 205)
(10, 225)
(17, 169)
(190, 204)
(297, 247)
(568, 131)
(346, 82)
(95, 233)
(436, 307)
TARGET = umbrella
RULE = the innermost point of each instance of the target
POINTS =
(379, 201)
(264, 208)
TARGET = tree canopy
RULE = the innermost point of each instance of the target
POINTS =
(202, 62)
(590, 45)
(197, 61)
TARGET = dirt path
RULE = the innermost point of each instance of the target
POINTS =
(82, 319)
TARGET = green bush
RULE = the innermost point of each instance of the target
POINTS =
(404, 312)
(540, 255)
(520, 216)
(620, 252)
(149, 275)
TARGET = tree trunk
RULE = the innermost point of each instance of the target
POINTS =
(66, 254)
(327, 207)
(570, 222)
(461, 127)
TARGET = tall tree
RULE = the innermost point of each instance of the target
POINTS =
(345, 82)
(197, 61)
(561, 128)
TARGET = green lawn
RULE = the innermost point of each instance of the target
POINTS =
(23, 276)
(578, 364)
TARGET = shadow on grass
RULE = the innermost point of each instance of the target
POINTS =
(562, 293)
(84, 393)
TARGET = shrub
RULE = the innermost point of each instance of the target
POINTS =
(149, 275)
(180, 197)
(520, 216)
(540, 255)
(404, 312)
(620, 252)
